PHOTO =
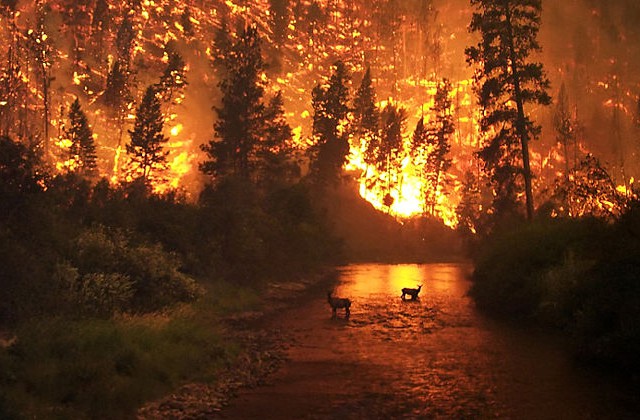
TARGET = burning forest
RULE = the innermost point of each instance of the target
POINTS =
(155, 154)
(413, 148)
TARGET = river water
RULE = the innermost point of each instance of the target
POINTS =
(435, 357)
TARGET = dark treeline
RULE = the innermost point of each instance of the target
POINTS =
(571, 262)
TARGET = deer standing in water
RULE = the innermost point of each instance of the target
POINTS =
(413, 293)
(339, 303)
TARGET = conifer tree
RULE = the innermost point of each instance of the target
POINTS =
(330, 106)
(506, 81)
(83, 149)
(148, 159)
(367, 119)
(468, 210)
(274, 152)
(391, 147)
(564, 127)
(173, 79)
(439, 132)
(124, 41)
(365, 112)
(116, 93)
(279, 20)
(100, 25)
(240, 123)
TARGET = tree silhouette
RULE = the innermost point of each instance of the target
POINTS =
(438, 137)
(274, 151)
(366, 120)
(83, 149)
(565, 129)
(506, 81)
(148, 159)
(330, 106)
(173, 79)
(388, 156)
(240, 122)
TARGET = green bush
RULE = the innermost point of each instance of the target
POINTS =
(111, 267)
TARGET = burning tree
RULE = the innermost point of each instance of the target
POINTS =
(148, 159)
(330, 106)
(506, 81)
(82, 149)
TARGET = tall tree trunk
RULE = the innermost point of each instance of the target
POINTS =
(521, 120)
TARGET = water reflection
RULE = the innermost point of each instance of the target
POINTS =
(365, 280)
(443, 360)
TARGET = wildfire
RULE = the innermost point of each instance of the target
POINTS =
(307, 54)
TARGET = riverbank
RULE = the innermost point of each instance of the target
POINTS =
(263, 351)
(579, 277)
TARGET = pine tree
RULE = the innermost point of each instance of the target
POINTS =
(83, 149)
(173, 79)
(506, 81)
(564, 127)
(391, 147)
(330, 106)
(186, 22)
(439, 132)
(468, 211)
(146, 149)
(124, 41)
(116, 93)
(100, 25)
(365, 112)
(274, 152)
(366, 120)
(241, 116)
(43, 55)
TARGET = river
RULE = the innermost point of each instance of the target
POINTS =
(435, 357)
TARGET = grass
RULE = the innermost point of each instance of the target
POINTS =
(92, 368)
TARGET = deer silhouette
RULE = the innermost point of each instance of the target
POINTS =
(413, 293)
(339, 303)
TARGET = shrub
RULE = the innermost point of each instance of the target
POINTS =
(104, 368)
(115, 272)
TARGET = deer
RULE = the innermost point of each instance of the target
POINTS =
(413, 293)
(339, 303)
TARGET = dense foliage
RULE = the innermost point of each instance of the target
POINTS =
(577, 275)
(83, 264)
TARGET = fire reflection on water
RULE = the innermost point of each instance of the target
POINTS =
(363, 281)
